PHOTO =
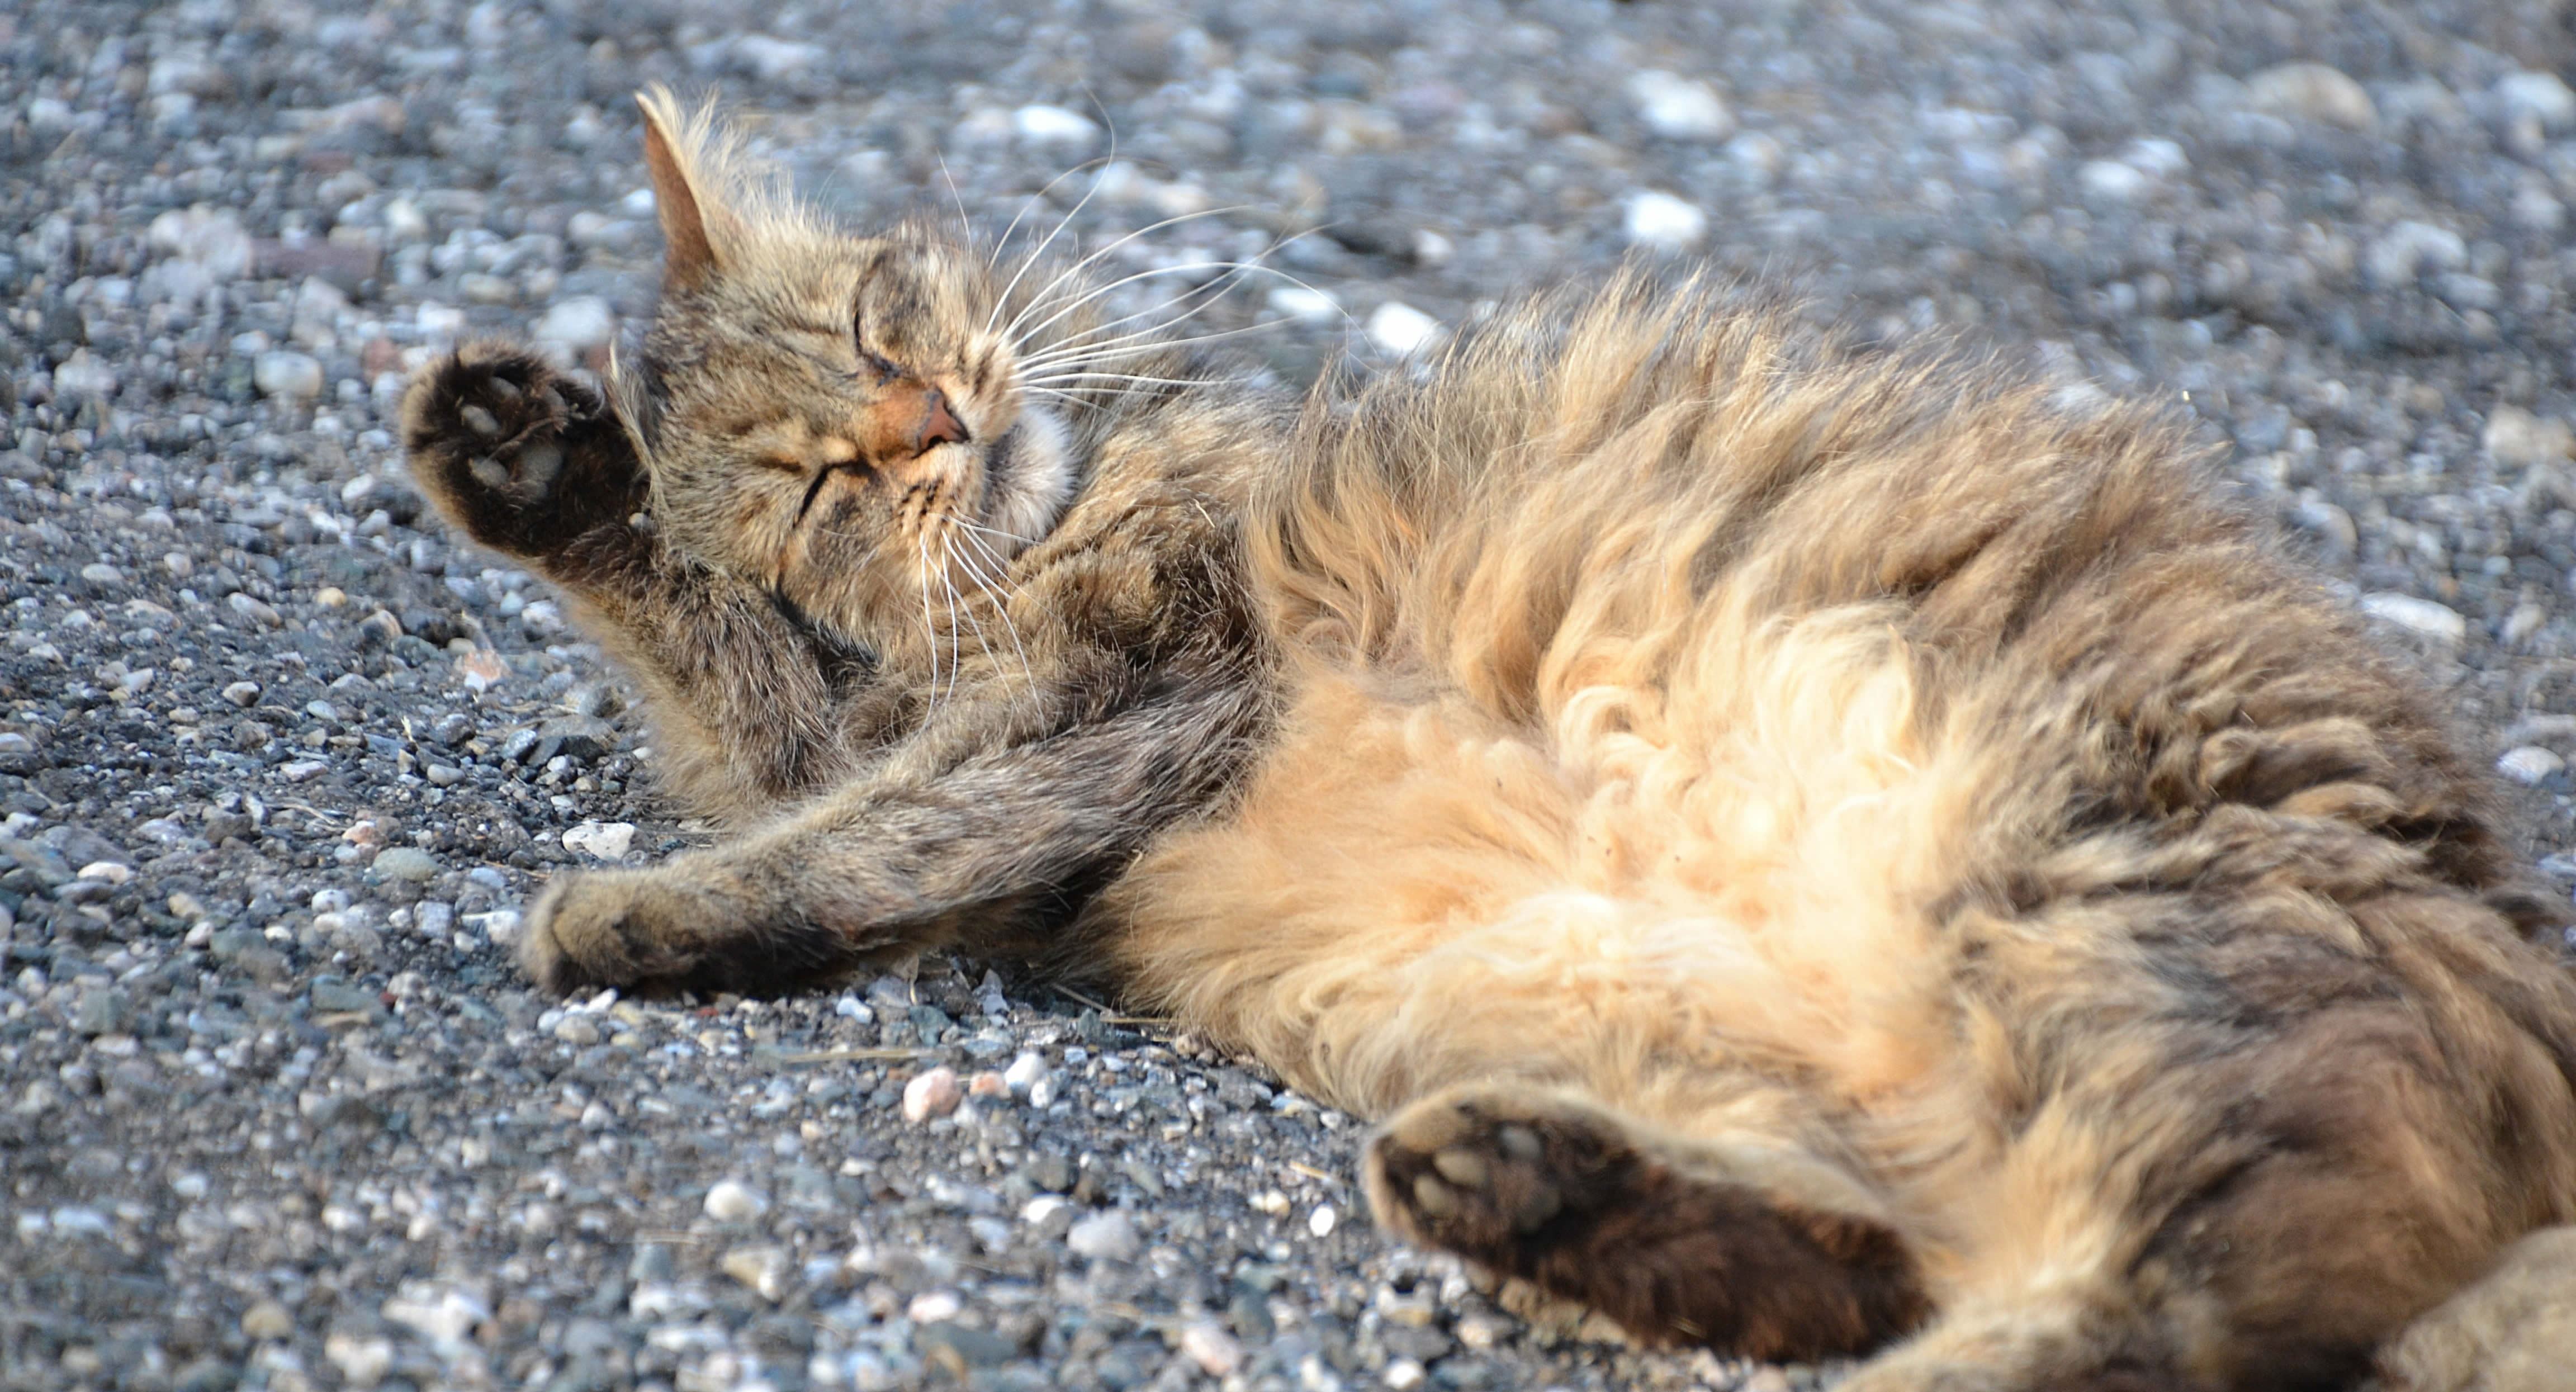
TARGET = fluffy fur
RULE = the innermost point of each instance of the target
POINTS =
(1808, 854)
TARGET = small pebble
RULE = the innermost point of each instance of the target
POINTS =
(1109, 1236)
(1660, 221)
(1400, 329)
(732, 1201)
(933, 1094)
(2421, 616)
(603, 840)
(987, 1084)
(1214, 1350)
(2312, 92)
(1679, 108)
(407, 863)
(763, 1268)
(267, 1320)
(2529, 764)
(1321, 1221)
(1025, 1072)
(292, 376)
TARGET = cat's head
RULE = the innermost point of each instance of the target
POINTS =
(846, 421)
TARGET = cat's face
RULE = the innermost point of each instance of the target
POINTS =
(840, 420)
(847, 429)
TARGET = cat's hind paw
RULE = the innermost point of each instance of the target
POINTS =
(1557, 1192)
(520, 457)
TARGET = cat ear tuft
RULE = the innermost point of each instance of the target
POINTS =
(673, 145)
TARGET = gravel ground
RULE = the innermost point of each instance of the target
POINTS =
(279, 763)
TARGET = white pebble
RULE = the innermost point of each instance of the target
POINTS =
(2416, 615)
(930, 1307)
(1400, 329)
(81, 375)
(2543, 96)
(1039, 124)
(113, 872)
(292, 376)
(2411, 248)
(1321, 1221)
(1402, 1374)
(1305, 304)
(731, 1201)
(1679, 108)
(1662, 222)
(2519, 439)
(1024, 1072)
(1107, 1236)
(606, 840)
(933, 1094)
(853, 1008)
(1214, 1350)
(2312, 92)
(2113, 179)
(580, 323)
(2529, 764)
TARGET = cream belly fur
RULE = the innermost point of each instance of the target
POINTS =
(1922, 827)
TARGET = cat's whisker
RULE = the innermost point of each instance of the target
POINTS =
(950, 557)
(1042, 300)
(949, 587)
(1002, 594)
(991, 530)
(1143, 341)
(998, 594)
(1207, 293)
(929, 629)
(1030, 260)
(965, 224)
(1096, 292)
(1134, 379)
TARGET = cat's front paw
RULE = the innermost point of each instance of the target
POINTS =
(686, 925)
(521, 458)
(607, 928)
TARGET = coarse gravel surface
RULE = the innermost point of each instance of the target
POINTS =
(280, 762)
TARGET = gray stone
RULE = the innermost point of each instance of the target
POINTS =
(407, 863)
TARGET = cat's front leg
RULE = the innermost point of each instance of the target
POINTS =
(520, 457)
(982, 853)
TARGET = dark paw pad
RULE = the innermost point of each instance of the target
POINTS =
(1478, 1177)
(521, 458)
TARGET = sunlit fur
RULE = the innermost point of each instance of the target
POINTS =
(1895, 792)
(1804, 852)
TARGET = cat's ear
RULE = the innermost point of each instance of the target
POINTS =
(673, 146)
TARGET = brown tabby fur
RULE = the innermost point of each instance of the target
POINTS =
(1808, 854)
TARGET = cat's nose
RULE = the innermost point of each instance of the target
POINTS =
(938, 425)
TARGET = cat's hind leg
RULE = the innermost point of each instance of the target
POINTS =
(1679, 1242)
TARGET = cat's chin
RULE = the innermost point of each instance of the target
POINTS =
(1032, 477)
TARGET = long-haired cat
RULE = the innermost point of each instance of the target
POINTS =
(1806, 853)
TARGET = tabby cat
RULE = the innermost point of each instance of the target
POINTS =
(1806, 853)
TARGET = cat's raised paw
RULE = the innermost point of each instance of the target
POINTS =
(522, 458)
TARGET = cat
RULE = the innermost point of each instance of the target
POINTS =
(1801, 852)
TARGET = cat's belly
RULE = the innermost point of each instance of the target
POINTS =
(1710, 862)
